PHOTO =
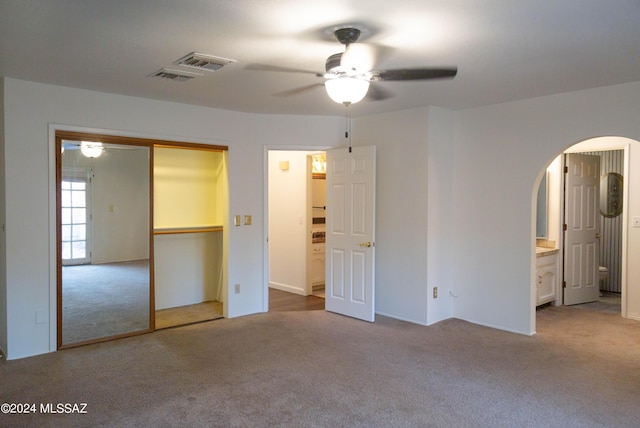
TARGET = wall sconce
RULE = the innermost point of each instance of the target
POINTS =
(319, 165)
(346, 90)
(91, 149)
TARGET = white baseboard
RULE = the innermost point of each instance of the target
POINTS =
(288, 288)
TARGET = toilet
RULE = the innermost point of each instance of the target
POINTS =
(603, 275)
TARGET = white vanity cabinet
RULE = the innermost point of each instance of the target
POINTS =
(317, 264)
(546, 275)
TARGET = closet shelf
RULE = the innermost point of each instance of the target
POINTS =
(196, 229)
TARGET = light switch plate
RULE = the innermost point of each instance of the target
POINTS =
(247, 220)
(236, 220)
(636, 221)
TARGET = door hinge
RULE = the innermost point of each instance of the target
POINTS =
(564, 284)
(566, 169)
(564, 227)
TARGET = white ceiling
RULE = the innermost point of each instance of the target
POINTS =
(505, 49)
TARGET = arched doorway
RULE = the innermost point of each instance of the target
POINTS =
(552, 174)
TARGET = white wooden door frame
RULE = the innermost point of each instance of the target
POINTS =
(625, 145)
(265, 210)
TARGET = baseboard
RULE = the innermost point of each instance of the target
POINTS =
(287, 288)
(395, 317)
(497, 327)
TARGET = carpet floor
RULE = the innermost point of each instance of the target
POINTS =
(104, 300)
(318, 369)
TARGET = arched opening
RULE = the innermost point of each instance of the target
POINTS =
(612, 272)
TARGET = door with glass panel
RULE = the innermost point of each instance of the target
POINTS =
(75, 216)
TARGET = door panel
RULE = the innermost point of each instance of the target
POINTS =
(350, 232)
(336, 286)
(582, 234)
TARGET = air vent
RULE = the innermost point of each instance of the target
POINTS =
(176, 76)
(203, 62)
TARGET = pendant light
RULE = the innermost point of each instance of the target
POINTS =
(346, 90)
(91, 149)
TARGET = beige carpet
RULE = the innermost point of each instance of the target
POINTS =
(104, 300)
(317, 369)
(190, 314)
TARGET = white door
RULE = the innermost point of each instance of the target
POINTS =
(350, 232)
(582, 220)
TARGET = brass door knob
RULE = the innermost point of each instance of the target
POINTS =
(366, 244)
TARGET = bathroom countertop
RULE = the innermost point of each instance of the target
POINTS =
(543, 251)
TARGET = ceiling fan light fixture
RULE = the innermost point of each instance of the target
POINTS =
(346, 90)
(91, 149)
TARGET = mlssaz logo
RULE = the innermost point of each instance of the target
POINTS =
(64, 408)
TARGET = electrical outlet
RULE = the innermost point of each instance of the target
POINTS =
(435, 292)
(236, 288)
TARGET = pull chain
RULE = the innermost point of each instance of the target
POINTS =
(347, 132)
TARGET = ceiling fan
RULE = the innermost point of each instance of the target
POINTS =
(93, 149)
(348, 74)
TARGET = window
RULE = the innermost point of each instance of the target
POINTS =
(75, 218)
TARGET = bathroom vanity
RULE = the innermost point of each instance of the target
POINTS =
(546, 274)
(317, 253)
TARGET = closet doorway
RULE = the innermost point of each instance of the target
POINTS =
(190, 200)
(131, 241)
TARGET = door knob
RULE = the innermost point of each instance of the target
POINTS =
(598, 236)
(366, 244)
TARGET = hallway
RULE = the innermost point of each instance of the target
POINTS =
(281, 301)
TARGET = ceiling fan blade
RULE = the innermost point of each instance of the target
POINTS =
(298, 91)
(413, 74)
(376, 93)
(265, 67)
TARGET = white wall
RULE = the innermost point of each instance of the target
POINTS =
(32, 109)
(401, 210)
(440, 259)
(187, 268)
(413, 211)
(499, 152)
(288, 223)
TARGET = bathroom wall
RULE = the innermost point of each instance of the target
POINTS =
(611, 227)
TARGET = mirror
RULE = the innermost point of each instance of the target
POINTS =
(611, 194)
(104, 239)
(541, 209)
